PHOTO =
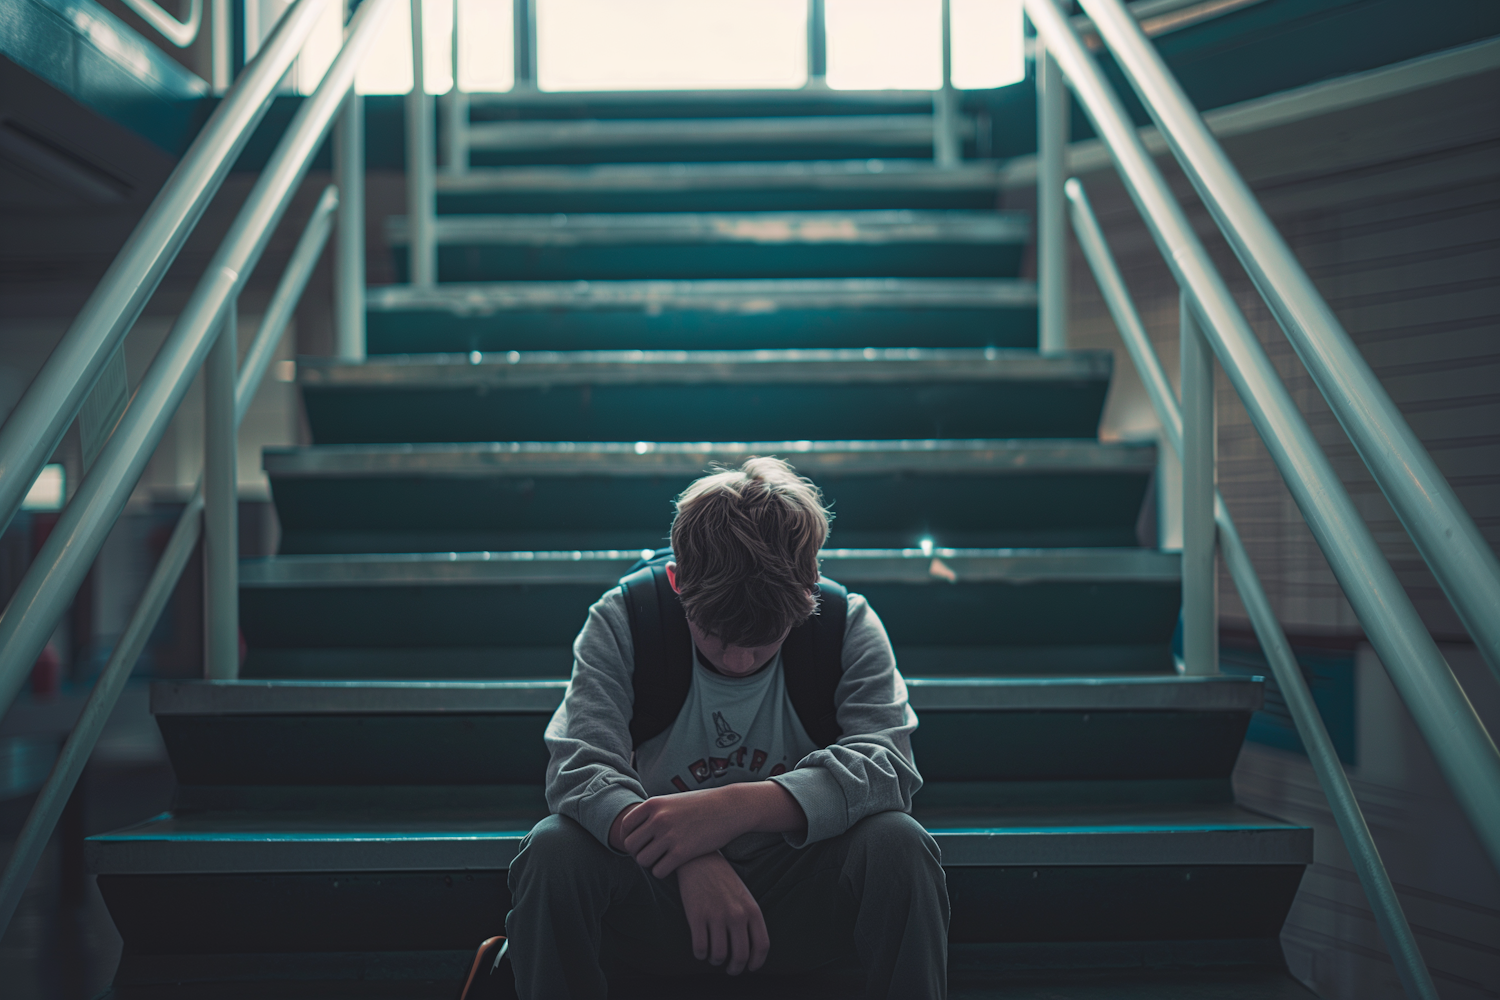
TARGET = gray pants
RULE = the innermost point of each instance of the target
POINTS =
(876, 893)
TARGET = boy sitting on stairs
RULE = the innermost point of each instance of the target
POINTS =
(726, 662)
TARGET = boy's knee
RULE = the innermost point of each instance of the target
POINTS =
(894, 840)
(559, 846)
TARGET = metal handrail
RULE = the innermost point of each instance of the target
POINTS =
(39, 420)
(1463, 748)
(76, 750)
(1373, 877)
(59, 567)
(179, 33)
(1465, 566)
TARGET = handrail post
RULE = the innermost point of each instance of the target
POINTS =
(349, 262)
(1051, 233)
(1373, 877)
(817, 44)
(221, 44)
(421, 247)
(523, 44)
(221, 646)
(947, 147)
(1200, 580)
(456, 115)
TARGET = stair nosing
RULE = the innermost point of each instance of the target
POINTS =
(1162, 693)
(918, 227)
(999, 456)
(794, 365)
(860, 173)
(899, 129)
(930, 567)
(748, 295)
(1253, 841)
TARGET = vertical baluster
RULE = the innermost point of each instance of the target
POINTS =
(456, 115)
(524, 42)
(349, 262)
(1051, 232)
(220, 505)
(947, 148)
(1200, 581)
(420, 154)
(817, 44)
(220, 45)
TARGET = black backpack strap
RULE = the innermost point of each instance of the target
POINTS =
(812, 663)
(663, 670)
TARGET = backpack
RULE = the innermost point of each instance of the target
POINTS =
(811, 658)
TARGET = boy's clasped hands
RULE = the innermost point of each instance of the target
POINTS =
(683, 833)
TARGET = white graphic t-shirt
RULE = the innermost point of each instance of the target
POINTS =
(730, 729)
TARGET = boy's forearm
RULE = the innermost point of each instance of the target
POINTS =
(766, 806)
(715, 815)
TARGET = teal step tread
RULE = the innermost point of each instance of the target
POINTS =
(318, 841)
(651, 458)
(927, 694)
(681, 315)
(891, 130)
(946, 602)
(925, 566)
(646, 178)
(609, 495)
(951, 243)
(763, 395)
(865, 183)
(897, 227)
(290, 661)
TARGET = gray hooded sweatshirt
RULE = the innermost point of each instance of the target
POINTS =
(729, 730)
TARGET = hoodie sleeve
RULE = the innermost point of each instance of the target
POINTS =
(871, 768)
(589, 773)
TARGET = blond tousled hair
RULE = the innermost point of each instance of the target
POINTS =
(746, 543)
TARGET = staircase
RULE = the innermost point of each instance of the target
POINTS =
(607, 326)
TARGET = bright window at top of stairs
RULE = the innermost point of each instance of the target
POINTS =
(671, 44)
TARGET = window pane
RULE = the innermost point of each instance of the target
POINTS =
(989, 49)
(671, 44)
(387, 67)
(486, 50)
(885, 44)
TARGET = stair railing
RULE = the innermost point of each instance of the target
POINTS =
(179, 33)
(1373, 877)
(174, 559)
(1463, 748)
(1462, 561)
(38, 422)
(202, 336)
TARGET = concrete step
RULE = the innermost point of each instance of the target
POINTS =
(797, 185)
(515, 614)
(978, 737)
(614, 495)
(724, 315)
(812, 135)
(1251, 970)
(316, 882)
(767, 395)
(890, 243)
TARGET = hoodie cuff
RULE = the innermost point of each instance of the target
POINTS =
(597, 811)
(822, 801)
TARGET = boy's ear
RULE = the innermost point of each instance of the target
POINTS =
(672, 577)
